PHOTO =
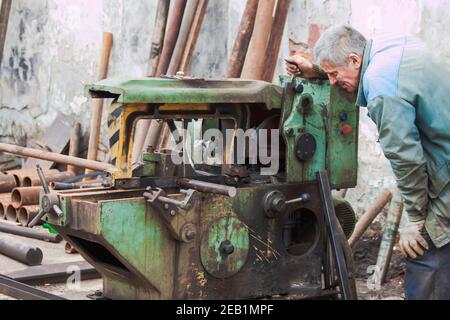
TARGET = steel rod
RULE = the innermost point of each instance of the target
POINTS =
(16, 250)
(55, 157)
(29, 233)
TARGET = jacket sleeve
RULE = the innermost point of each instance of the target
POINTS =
(400, 140)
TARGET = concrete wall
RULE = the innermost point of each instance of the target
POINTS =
(52, 49)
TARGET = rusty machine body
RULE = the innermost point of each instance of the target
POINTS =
(219, 230)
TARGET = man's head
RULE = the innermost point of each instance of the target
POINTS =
(339, 52)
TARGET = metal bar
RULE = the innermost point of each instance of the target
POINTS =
(97, 106)
(170, 40)
(4, 19)
(273, 47)
(159, 31)
(55, 157)
(186, 25)
(254, 61)
(22, 291)
(54, 273)
(29, 233)
(193, 36)
(368, 217)
(209, 187)
(19, 251)
(242, 41)
(330, 216)
(74, 146)
(389, 235)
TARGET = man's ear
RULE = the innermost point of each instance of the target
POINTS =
(355, 60)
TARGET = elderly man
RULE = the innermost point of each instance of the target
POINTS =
(407, 94)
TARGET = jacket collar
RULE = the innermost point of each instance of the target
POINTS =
(361, 99)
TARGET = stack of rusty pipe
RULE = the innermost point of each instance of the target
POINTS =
(19, 193)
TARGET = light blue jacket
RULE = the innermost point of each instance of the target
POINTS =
(407, 93)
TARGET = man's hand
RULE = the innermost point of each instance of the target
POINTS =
(299, 66)
(412, 244)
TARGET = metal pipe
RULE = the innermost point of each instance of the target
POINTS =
(388, 240)
(29, 233)
(11, 213)
(194, 33)
(4, 19)
(4, 203)
(7, 183)
(26, 214)
(25, 196)
(159, 31)
(185, 28)
(170, 40)
(16, 250)
(72, 186)
(34, 181)
(274, 44)
(55, 157)
(74, 147)
(242, 41)
(254, 62)
(97, 105)
(367, 218)
(209, 187)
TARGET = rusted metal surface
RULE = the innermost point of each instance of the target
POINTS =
(193, 36)
(4, 19)
(28, 152)
(367, 218)
(29, 233)
(22, 175)
(25, 196)
(17, 290)
(97, 105)
(7, 183)
(34, 181)
(242, 42)
(74, 146)
(389, 237)
(53, 273)
(19, 251)
(159, 32)
(26, 214)
(254, 62)
(4, 203)
(186, 25)
(209, 187)
(173, 29)
(276, 35)
(11, 213)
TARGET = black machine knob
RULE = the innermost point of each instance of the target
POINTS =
(227, 248)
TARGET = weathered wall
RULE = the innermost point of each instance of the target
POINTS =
(52, 49)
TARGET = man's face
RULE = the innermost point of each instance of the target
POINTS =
(347, 78)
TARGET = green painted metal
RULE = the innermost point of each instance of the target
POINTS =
(165, 91)
(342, 151)
(214, 260)
(141, 239)
(325, 119)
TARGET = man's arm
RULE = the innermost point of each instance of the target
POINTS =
(400, 140)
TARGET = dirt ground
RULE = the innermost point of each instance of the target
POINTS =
(365, 253)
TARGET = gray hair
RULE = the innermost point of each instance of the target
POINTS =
(337, 43)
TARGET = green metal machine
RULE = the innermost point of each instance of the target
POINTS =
(166, 230)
